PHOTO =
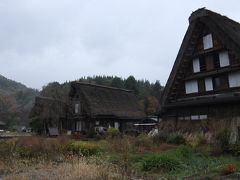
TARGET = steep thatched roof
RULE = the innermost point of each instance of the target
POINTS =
(48, 108)
(227, 29)
(107, 101)
(228, 26)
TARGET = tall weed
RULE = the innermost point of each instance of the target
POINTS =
(162, 162)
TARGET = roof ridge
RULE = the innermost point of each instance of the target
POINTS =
(49, 98)
(101, 86)
(201, 12)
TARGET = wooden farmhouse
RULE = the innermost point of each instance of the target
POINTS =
(95, 105)
(203, 90)
(88, 106)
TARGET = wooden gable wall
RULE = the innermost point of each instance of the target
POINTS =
(211, 67)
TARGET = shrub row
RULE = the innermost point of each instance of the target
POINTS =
(34, 147)
(83, 148)
(174, 138)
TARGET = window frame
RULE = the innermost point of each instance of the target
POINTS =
(222, 55)
(189, 87)
(234, 84)
(207, 41)
(207, 83)
(77, 108)
(196, 65)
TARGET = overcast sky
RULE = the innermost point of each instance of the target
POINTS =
(58, 40)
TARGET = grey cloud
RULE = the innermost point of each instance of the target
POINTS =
(58, 40)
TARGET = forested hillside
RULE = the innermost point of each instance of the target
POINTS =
(16, 101)
(148, 94)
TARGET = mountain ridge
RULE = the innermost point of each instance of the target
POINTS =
(16, 101)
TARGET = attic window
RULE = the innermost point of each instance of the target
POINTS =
(191, 86)
(196, 65)
(224, 59)
(207, 42)
(234, 79)
(208, 84)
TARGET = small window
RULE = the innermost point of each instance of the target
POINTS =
(181, 118)
(234, 79)
(224, 59)
(203, 117)
(194, 117)
(208, 84)
(196, 65)
(77, 108)
(191, 86)
(207, 42)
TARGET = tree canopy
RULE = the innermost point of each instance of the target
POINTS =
(148, 94)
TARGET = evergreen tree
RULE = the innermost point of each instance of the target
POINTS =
(157, 89)
(131, 84)
(117, 82)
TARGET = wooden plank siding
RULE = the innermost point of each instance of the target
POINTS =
(209, 62)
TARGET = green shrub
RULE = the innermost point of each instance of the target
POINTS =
(161, 137)
(197, 140)
(143, 140)
(223, 137)
(91, 134)
(235, 149)
(184, 151)
(176, 139)
(82, 148)
(25, 152)
(37, 125)
(161, 162)
(113, 132)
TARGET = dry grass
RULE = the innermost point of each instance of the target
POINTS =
(70, 170)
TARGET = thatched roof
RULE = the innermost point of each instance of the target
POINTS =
(228, 26)
(48, 108)
(107, 101)
(227, 29)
